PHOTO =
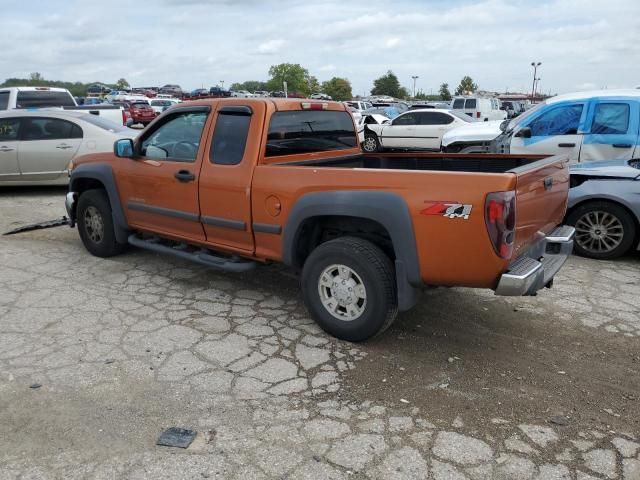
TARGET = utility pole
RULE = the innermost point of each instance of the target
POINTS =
(535, 70)
(415, 77)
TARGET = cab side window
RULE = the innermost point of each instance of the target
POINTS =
(230, 136)
(9, 129)
(611, 119)
(177, 139)
(557, 121)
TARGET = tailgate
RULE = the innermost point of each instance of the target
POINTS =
(542, 189)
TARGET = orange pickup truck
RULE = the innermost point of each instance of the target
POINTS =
(233, 183)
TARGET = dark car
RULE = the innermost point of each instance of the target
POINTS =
(174, 90)
(98, 88)
(219, 92)
(278, 94)
(199, 92)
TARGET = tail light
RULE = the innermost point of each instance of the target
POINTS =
(500, 217)
(125, 116)
(477, 114)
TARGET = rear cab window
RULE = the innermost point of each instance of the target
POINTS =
(43, 99)
(307, 131)
(4, 100)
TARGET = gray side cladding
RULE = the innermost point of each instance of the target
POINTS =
(387, 208)
(104, 174)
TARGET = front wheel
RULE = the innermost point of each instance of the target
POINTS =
(604, 230)
(371, 143)
(95, 224)
(349, 288)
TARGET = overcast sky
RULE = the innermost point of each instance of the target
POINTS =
(582, 44)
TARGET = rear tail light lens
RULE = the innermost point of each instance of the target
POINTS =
(477, 114)
(500, 218)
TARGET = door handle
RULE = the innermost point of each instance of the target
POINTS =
(63, 146)
(567, 145)
(621, 145)
(6, 149)
(185, 176)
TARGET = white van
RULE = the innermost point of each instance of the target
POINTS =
(479, 108)
(586, 126)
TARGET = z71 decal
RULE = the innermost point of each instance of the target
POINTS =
(448, 209)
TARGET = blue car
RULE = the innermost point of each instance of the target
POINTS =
(604, 208)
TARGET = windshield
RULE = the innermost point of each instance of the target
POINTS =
(463, 116)
(104, 124)
(525, 116)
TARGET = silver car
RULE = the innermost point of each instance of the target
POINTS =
(604, 207)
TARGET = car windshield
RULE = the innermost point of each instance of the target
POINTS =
(103, 123)
(463, 116)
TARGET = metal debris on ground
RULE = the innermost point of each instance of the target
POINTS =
(39, 226)
(176, 437)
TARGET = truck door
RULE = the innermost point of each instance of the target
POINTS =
(557, 129)
(9, 131)
(159, 188)
(225, 179)
(613, 131)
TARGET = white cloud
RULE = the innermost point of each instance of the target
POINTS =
(271, 46)
(201, 42)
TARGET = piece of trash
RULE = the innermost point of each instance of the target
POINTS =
(559, 420)
(443, 385)
(611, 412)
(562, 372)
(39, 226)
(451, 359)
(35, 385)
(402, 400)
(176, 437)
(109, 360)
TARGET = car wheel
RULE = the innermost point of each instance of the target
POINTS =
(95, 224)
(604, 230)
(371, 143)
(349, 288)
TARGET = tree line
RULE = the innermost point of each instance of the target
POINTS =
(297, 77)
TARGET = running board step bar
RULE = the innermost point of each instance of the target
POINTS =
(203, 257)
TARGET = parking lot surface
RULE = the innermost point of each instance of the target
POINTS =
(99, 356)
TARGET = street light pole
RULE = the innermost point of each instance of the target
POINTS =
(415, 77)
(535, 70)
(537, 86)
(222, 84)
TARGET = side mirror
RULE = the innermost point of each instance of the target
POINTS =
(503, 125)
(123, 148)
(524, 132)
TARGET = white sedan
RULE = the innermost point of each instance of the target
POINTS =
(37, 147)
(416, 129)
(159, 105)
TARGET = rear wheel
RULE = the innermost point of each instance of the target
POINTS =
(371, 143)
(95, 224)
(349, 288)
(604, 230)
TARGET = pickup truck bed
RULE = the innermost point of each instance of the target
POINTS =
(249, 181)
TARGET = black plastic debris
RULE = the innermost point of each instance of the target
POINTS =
(39, 226)
(35, 385)
(176, 437)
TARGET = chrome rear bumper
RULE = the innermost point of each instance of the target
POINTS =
(527, 275)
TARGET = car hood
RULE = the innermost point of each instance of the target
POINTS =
(605, 168)
(477, 131)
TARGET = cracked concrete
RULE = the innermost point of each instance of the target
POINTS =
(127, 346)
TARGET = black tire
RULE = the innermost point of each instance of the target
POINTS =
(375, 271)
(373, 145)
(94, 205)
(586, 214)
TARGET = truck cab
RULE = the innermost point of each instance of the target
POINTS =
(584, 126)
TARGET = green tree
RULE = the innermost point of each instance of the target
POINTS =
(445, 94)
(313, 83)
(122, 84)
(389, 84)
(249, 85)
(466, 86)
(338, 88)
(294, 74)
(36, 77)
